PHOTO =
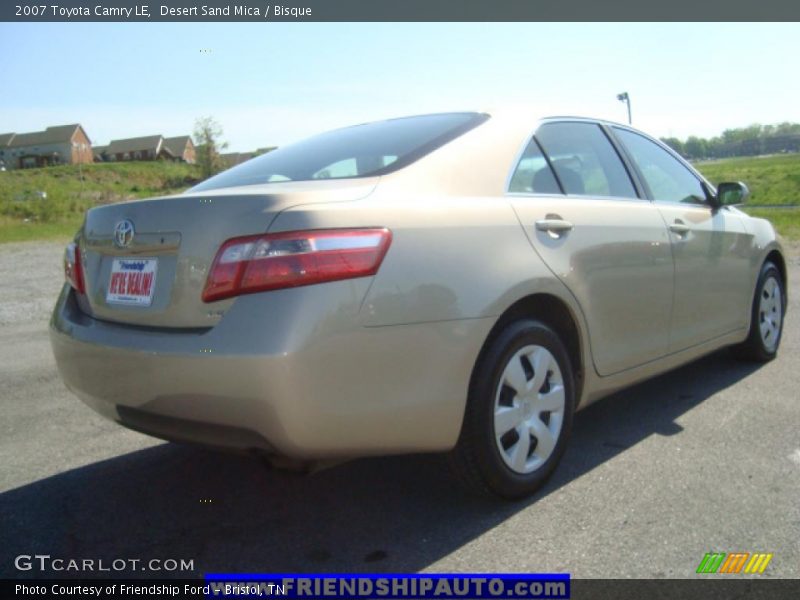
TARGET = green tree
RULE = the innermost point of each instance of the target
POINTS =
(675, 144)
(787, 129)
(696, 147)
(208, 142)
(741, 134)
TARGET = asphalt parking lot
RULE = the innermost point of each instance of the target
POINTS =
(704, 458)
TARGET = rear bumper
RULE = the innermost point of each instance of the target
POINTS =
(292, 372)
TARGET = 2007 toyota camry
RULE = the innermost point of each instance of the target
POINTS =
(458, 282)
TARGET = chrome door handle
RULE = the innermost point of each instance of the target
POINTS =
(679, 227)
(553, 225)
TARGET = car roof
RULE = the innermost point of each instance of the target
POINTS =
(531, 115)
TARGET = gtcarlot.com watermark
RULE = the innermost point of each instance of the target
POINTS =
(44, 563)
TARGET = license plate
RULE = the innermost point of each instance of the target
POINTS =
(132, 281)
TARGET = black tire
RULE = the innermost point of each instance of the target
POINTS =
(476, 459)
(754, 348)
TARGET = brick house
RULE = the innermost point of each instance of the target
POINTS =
(100, 153)
(150, 147)
(57, 145)
(182, 148)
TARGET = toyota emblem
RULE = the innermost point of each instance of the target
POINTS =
(123, 233)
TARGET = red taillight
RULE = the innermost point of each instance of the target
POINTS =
(280, 260)
(73, 270)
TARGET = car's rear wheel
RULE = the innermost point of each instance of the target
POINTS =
(519, 412)
(766, 322)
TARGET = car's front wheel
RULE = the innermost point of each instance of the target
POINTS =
(766, 321)
(519, 412)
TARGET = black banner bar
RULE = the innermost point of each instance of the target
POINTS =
(397, 10)
(700, 588)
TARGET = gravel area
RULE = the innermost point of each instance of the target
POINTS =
(33, 274)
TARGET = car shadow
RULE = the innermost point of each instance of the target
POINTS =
(231, 513)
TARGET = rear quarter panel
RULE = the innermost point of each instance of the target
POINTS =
(454, 266)
(450, 258)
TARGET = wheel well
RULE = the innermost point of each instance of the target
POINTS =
(553, 312)
(776, 258)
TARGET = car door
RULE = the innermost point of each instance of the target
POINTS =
(582, 214)
(709, 245)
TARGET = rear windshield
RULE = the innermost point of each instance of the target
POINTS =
(358, 151)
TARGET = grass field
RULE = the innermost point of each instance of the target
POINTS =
(785, 221)
(773, 179)
(27, 214)
(50, 202)
(20, 230)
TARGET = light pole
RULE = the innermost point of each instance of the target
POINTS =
(623, 97)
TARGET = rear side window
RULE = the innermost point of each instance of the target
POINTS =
(667, 178)
(358, 151)
(533, 174)
(584, 160)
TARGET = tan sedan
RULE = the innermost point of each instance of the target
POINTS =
(459, 282)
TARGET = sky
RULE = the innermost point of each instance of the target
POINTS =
(273, 83)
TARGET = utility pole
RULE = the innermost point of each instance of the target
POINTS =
(623, 97)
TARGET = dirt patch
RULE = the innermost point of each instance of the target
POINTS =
(792, 251)
(33, 274)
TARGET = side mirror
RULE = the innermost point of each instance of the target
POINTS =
(731, 193)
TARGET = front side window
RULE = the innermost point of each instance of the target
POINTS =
(584, 160)
(533, 174)
(667, 178)
(360, 151)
